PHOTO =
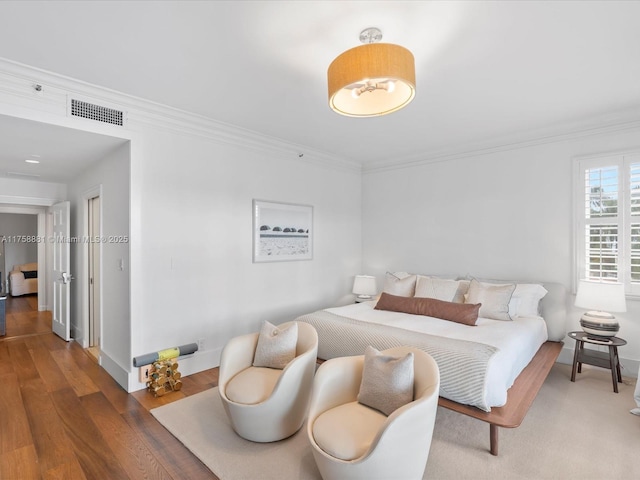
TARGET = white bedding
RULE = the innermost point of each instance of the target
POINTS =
(517, 341)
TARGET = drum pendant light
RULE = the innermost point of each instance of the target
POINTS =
(372, 79)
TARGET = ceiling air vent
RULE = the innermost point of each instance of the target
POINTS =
(78, 108)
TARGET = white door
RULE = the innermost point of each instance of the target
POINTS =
(61, 276)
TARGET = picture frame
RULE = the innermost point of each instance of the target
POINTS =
(282, 231)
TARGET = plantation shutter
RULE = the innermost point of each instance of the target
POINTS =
(634, 221)
(608, 241)
(602, 223)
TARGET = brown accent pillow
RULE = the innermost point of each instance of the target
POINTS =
(465, 313)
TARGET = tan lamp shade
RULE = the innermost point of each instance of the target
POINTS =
(372, 79)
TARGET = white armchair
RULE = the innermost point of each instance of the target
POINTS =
(275, 402)
(364, 443)
(23, 279)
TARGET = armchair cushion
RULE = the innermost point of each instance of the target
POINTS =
(23, 279)
(276, 346)
(29, 267)
(252, 385)
(347, 431)
(387, 381)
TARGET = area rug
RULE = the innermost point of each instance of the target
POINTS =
(201, 424)
(556, 440)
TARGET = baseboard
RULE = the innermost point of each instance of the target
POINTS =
(114, 369)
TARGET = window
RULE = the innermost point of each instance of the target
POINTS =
(608, 220)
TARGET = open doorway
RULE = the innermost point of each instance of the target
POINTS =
(23, 272)
(68, 160)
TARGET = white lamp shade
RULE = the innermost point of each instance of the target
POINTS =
(601, 296)
(365, 285)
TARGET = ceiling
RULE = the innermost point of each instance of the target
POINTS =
(486, 72)
(62, 153)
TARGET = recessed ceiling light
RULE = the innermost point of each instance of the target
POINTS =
(32, 160)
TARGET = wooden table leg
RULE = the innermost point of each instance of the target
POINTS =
(615, 350)
(612, 365)
(493, 438)
(580, 348)
(575, 362)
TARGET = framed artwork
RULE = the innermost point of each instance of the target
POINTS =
(282, 232)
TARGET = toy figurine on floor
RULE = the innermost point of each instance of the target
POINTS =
(636, 396)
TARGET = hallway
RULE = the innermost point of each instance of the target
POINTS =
(23, 317)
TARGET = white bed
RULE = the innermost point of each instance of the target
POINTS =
(516, 341)
(506, 347)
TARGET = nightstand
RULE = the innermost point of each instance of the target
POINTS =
(599, 359)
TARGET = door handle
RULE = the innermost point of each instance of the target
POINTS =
(66, 277)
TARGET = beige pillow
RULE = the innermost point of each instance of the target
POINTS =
(387, 381)
(463, 288)
(438, 288)
(464, 313)
(494, 299)
(400, 283)
(276, 346)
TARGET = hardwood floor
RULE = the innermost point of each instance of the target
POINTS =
(63, 417)
(23, 317)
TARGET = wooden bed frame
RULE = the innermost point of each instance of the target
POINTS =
(519, 397)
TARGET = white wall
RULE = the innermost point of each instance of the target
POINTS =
(108, 178)
(18, 251)
(196, 279)
(506, 214)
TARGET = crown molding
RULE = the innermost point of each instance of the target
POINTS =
(10, 201)
(185, 123)
(625, 120)
(18, 80)
(17, 83)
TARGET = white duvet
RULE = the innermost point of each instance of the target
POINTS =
(517, 340)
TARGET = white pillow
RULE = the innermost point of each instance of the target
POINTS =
(387, 381)
(525, 301)
(276, 346)
(494, 299)
(438, 288)
(400, 284)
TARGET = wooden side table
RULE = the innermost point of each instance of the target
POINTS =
(599, 359)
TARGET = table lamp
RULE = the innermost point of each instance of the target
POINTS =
(364, 286)
(600, 298)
